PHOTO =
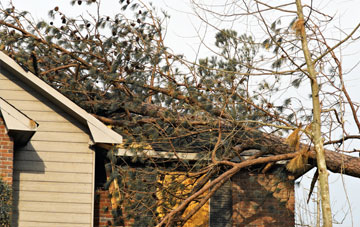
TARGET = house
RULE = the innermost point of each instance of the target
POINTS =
(48, 155)
(251, 197)
(47, 151)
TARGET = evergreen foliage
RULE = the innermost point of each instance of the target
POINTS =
(5, 204)
(118, 68)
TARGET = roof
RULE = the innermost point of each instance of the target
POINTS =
(100, 133)
(20, 127)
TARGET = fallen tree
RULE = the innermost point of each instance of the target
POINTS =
(119, 69)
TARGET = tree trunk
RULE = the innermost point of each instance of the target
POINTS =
(316, 129)
(249, 138)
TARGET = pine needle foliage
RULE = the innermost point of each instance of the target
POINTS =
(118, 68)
(5, 204)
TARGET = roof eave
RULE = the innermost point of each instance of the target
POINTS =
(99, 132)
(19, 126)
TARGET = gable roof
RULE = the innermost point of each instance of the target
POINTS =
(100, 133)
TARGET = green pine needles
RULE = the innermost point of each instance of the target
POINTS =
(5, 204)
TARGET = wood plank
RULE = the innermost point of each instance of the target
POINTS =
(58, 127)
(50, 116)
(54, 218)
(16, 95)
(54, 146)
(61, 137)
(56, 197)
(59, 167)
(9, 85)
(52, 186)
(54, 207)
(50, 111)
(53, 177)
(53, 156)
(39, 224)
(34, 105)
(32, 95)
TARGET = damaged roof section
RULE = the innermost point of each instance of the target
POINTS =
(20, 127)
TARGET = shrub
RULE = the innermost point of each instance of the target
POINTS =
(5, 203)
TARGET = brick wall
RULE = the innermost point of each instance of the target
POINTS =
(103, 211)
(263, 200)
(6, 154)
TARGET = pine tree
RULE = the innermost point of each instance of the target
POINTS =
(118, 69)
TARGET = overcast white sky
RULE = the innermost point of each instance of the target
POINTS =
(183, 33)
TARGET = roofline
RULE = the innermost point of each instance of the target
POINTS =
(191, 156)
(99, 132)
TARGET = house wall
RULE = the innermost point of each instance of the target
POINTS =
(6, 155)
(263, 199)
(103, 210)
(249, 199)
(54, 173)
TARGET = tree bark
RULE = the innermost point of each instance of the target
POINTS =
(316, 124)
(249, 138)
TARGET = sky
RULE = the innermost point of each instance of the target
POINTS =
(182, 36)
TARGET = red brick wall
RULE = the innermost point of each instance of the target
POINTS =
(6, 154)
(263, 200)
(103, 212)
(102, 209)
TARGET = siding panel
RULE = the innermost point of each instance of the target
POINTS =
(53, 146)
(78, 198)
(53, 177)
(17, 95)
(45, 116)
(53, 173)
(61, 137)
(61, 167)
(9, 85)
(34, 105)
(57, 127)
(53, 187)
(40, 224)
(54, 218)
(48, 156)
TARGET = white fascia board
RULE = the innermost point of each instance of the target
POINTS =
(102, 134)
(98, 130)
(157, 154)
(179, 155)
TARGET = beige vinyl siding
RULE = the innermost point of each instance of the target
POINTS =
(53, 187)
(33, 176)
(38, 224)
(52, 167)
(57, 197)
(61, 137)
(52, 207)
(49, 156)
(53, 173)
(16, 95)
(53, 217)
